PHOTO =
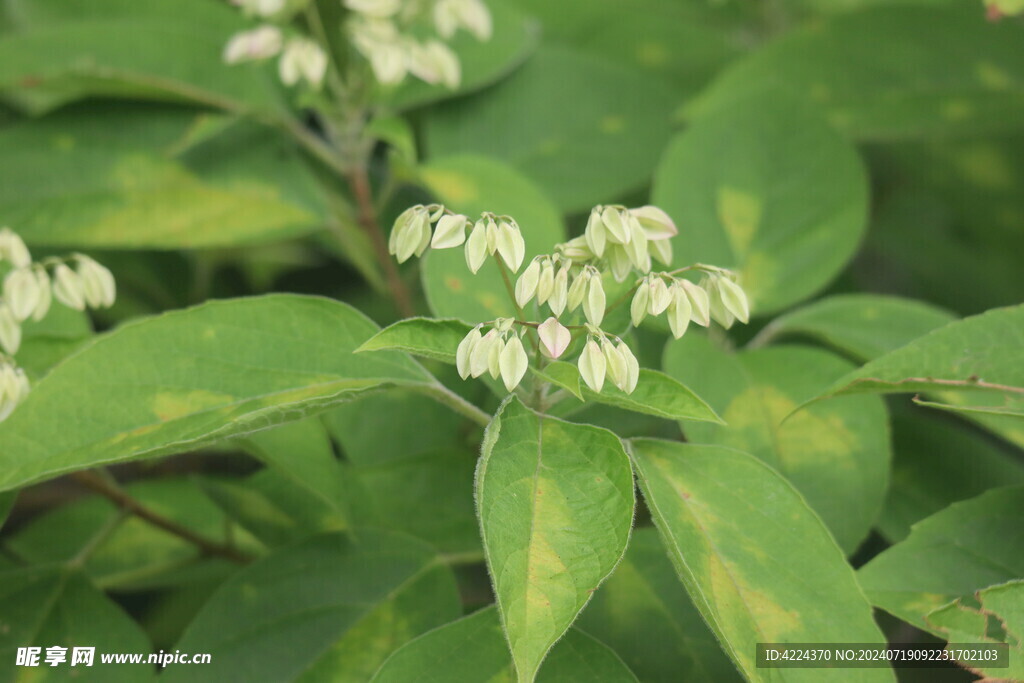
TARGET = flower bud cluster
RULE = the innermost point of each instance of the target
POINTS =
(498, 352)
(301, 59)
(548, 279)
(625, 239)
(603, 358)
(384, 32)
(414, 230)
(28, 290)
(717, 297)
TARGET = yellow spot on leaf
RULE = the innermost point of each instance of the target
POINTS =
(652, 54)
(740, 215)
(168, 405)
(613, 124)
(456, 188)
(992, 76)
(64, 143)
(957, 110)
(986, 166)
(453, 283)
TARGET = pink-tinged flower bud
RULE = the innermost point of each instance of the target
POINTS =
(513, 362)
(592, 365)
(554, 337)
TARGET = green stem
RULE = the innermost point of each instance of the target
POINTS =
(446, 396)
(104, 532)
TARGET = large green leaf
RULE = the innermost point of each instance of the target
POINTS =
(555, 501)
(470, 185)
(970, 545)
(769, 189)
(57, 606)
(864, 326)
(891, 72)
(335, 603)
(116, 177)
(193, 377)
(585, 129)
(836, 454)
(645, 615)
(474, 649)
(758, 563)
(62, 50)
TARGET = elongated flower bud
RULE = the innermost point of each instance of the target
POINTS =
(434, 62)
(641, 301)
(659, 298)
(260, 43)
(510, 245)
(415, 237)
(619, 261)
(592, 365)
(734, 299)
(13, 249)
(513, 362)
(661, 250)
(68, 288)
(10, 330)
(577, 250)
(98, 284)
(559, 291)
(399, 227)
(475, 17)
(480, 354)
(554, 337)
(45, 295)
(450, 232)
(618, 231)
(594, 303)
(595, 233)
(578, 290)
(14, 388)
(303, 59)
(492, 235)
(679, 312)
(526, 285)
(465, 351)
(476, 246)
(698, 301)
(656, 223)
(546, 283)
(632, 368)
(616, 364)
(21, 292)
(636, 249)
(717, 309)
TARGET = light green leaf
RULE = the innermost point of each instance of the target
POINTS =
(864, 326)
(656, 394)
(732, 527)
(102, 176)
(955, 552)
(837, 455)
(57, 606)
(474, 649)
(58, 51)
(645, 615)
(1000, 609)
(427, 337)
(563, 375)
(555, 501)
(311, 604)
(190, 378)
(769, 189)
(891, 72)
(584, 129)
(470, 185)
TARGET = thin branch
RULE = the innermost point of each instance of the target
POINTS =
(113, 492)
(446, 396)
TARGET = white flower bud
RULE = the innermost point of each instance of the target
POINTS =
(656, 223)
(260, 8)
(378, 9)
(474, 15)
(661, 250)
(595, 233)
(68, 288)
(546, 283)
(659, 296)
(632, 369)
(513, 362)
(510, 245)
(476, 246)
(434, 62)
(699, 302)
(450, 232)
(578, 290)
(616, 364)
(641, 301)
(399, 227)
(636, 249)
(526, 286)
(592, 366)
(559, 291)
(492, 234)
(13, 249)
(446, 18)
(554, 337)
(594, 303)
(719, 313)
(21, 292)
(303, 59)
(45, 296)
(494, 357)
(734, 299)
(260, 43)
(618, 231)
(577, 249)
(679, 312)
(480, 354)
(465, 351)
(10, 330)
(98, 284)
(14, 388)
(389, 62)
(619, 261)
(415, 236)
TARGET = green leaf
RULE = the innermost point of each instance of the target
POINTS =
(483, 63)
(104, 176)
(50, 340)
(978, 354)
(474, 649)
(584, 129)
(955, 552)
(837, 455)
(555, 501)
(938, 462)
(645, 615)
(891, 72)
(427, 337)
(656, 394)
(863, 326)
(58, 51)
(7, 501)
(733, 528)
(470, 185)
(769, 189)
(1000, 608)
(190, 378)
(310, 604)
(57, 606)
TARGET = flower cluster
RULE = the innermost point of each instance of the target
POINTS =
(382, 31)
(491, 234)
(499, 352)
(624, 239)
(717, 297)
(28, 291)
(301, 58)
